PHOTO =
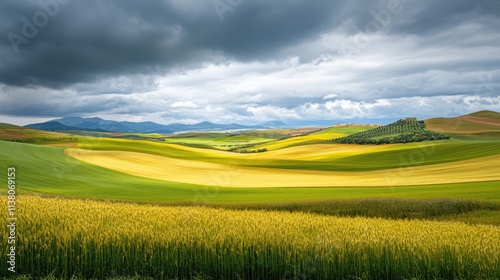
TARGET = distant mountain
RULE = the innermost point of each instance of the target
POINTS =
(98, 124)
(51, 126)
(208, 126)
(94, 124)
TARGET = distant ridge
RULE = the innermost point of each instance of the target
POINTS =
(484, 114)
(482, 122)
(275, 124)
(479, 122)
(102, 125)
(51, 126)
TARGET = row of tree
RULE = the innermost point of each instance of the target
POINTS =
(253, 151)
(43, 139)
(241, 148)
(402, 131)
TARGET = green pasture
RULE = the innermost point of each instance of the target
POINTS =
(384, 157)
(458, 125)
(47, 170)
(478, 122)
(219, 141)
(319, 137)
(9, 126)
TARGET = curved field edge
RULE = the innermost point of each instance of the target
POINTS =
(202, 173)
(328, 157)
(47, 170)
(98, 240)
(468, 211)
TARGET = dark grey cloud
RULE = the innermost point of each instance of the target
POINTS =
(429, 17)
(84, 41)
(50, 103)
(87, 40)
(261, 59)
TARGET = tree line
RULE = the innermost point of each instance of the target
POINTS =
(402, 131)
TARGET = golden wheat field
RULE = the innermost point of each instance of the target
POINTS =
(103, 239)
(202, 173)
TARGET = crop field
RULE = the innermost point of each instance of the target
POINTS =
(313, 138)
(219, 141)
(98, 240)
(270, 139)
(153, 171)
(171, 169)
(191, 206)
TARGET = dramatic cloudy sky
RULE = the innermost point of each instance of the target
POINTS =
(247, 61)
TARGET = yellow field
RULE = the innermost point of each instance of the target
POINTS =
(205, 173)
(95, 240)
(302, 152)
(300, 140)
(322, 151)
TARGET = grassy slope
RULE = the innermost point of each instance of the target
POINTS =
(333, 157)
(486, 115)
(418, 154)
(203, 173)
(47, 170)
(222, 142)
(9, 132)
(475, 123)
(9, 126)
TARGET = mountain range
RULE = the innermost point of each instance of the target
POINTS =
(476, 122)
(98, 124)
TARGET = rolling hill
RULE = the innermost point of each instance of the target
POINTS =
(28, 135)
(319, 137)
(479, 123)
(402, 131)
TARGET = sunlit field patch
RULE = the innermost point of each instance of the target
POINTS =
(202, 173)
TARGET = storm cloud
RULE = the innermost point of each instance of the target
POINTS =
(248, 61)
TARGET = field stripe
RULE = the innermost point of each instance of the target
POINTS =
(225, 175)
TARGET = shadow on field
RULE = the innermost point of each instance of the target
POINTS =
(439, 209)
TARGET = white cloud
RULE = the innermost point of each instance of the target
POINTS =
(269, 113)
(184, 104)
(330, 96)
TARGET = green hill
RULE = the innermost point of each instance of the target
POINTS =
(485, 114)
(402, 131)
(9, 126)
(308, 138)
(485, 123)
(16, 133)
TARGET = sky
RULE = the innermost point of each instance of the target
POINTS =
(247, 61)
